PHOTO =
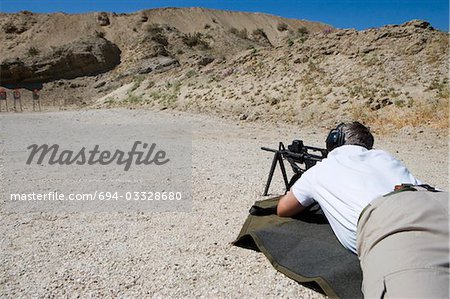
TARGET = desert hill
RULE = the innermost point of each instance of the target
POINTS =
(48, 31)
(246, 66)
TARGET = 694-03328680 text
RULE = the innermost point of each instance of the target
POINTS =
(144, 195)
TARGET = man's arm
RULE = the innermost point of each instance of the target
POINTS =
(289, 206)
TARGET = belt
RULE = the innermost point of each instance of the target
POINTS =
(403, 188)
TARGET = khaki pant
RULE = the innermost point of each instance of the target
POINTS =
(403, 246)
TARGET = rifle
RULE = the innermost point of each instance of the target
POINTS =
(297, 153)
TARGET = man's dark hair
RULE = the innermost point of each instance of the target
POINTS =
(357, 134)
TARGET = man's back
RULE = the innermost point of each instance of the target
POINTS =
(402, 238)
(346, 182)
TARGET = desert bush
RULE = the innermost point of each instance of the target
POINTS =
(400, 103)
(243, 33)
(441, 88)
(393, 93)
(160, 39)
(213, 78)
(207, 26)
(240, 33)
(150, 84)
(32, 51)
(282, 26)
(167, 97)
(137, 82)
(174, 86)
(153, 29)
(254, 50)
(132, 99)
(110, 101)
(143, 18)
(444, 93)
(371, 60)
(303, 39)
(195, 39)
(190, 74)
(100, 34)
(9, 27)
(302, 30)
(259, 32)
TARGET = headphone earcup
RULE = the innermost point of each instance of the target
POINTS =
(332, 139)
(335, 138)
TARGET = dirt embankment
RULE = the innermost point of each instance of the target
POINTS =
(239, 65)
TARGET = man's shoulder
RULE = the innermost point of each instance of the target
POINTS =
(381, 154)
(357, 156)
(350, 150)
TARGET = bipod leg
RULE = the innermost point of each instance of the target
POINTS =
(283, 171)
(272, 169)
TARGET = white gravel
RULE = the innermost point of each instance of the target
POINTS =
(135, 255)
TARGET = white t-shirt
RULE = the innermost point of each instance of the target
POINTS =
(346, 182)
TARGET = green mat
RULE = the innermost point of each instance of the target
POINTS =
(304, 249)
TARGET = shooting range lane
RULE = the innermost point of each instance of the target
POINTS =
(178, 254)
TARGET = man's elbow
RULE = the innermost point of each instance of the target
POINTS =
(284, 210)
(288, 206)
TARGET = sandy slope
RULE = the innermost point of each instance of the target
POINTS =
(177, 254)
(46, 30)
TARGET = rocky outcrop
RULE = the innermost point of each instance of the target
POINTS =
(418, 24)
(153, 64)
(103, 19)
(204, 61)
(408, 38)
(87, 56)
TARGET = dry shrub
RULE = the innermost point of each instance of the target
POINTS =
(160, 39)
(239, 33)
(259, 32)
(33, 51)
(302, 30)
(154, 29)
(9, 27)
(195, 39)
(432, 114)
(282, 26)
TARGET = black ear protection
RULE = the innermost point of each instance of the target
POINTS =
(336, 137)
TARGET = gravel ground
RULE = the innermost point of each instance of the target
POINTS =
(177, 254)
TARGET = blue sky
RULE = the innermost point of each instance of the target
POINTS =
(339, 13)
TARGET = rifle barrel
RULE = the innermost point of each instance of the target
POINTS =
(269, 149)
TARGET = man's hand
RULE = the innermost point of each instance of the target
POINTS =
(289, 205)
